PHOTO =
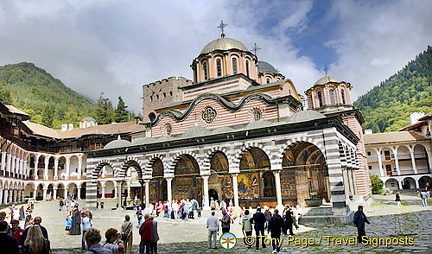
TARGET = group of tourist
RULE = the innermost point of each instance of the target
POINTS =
(31, 240)
(270, 220)
(184, 209)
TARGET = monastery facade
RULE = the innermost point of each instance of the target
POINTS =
(238, 132)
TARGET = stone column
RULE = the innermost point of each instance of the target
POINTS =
(235, 188)
(115, 190)
(411, 150)
(79, 193)
(6, 196)
(206, 192)
(380, 162)
(35, 193)
(3, 162)
(36, 167)
(147, 192)
(8, 163)
(67, 167)
(79, 166)
(13, 164)
(26, 171)
(278, 187)
(103, 189)
(400, 184)
(169, 191)
(396, 160)
(1, 197)
(44, 195)
(56, 161)
(119, 194)
(46, 168)
(55, 192)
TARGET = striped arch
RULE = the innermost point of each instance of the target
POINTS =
(247, 146)
(94, 174)
(130, 162)
(210, 153)
(280, 155)
(172, 164)
(148, 167)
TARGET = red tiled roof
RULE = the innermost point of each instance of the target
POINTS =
(394, 137)
(106, 129)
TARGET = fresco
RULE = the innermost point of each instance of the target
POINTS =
(187, 187)
(248, 186)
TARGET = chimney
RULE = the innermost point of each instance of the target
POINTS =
(64, 127)
(368, 131)
(70, 126)
(415, 116)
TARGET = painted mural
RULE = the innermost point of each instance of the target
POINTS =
(187, 188)
(248, 186)
(226, 186)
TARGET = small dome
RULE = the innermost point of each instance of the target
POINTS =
(326, 79)
(88, 118)
(257, 124)
(221, 130)
(305, 116)
(164, 138)
(223, 44)
(119, 143)
(264, 67)
(142, 141)
(195, 131)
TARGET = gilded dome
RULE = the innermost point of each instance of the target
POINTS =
(326, 79)
(223, 43)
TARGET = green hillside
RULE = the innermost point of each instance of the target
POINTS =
(49, 101)
(387, 107)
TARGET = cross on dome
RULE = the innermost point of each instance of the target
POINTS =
(221, 26)
(255, 49)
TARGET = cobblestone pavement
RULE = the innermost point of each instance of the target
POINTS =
(412, 221)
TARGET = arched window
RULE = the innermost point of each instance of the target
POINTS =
(247, 68)
(152, 116)
(234, 65)
(268, 80)
(219, 67)
(332, 97)
(320, 99)
(205, 70)
(343, 97)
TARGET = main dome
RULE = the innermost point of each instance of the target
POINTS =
(223, 43)
(326, 79)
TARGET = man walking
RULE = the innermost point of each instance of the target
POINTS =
(259, 220)
(424, 196)
(226, 221)
(359, 221)
(276, 226)
(213, 228)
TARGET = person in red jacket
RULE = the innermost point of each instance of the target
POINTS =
(16, 231)
(146, 234)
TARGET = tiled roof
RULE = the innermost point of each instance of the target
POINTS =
(394, 137)
(106, 129)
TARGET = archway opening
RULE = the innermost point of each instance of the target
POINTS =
(158, 184)
(304, 174)
(220, 180)
(187, 183)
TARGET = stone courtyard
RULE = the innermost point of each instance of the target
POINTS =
(412, 222)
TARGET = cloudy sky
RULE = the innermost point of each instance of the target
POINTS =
(115, 47)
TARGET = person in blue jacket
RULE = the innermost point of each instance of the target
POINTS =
(359, 221)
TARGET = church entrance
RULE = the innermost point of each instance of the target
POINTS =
(213, 194)
(304, 174)
(220, 180)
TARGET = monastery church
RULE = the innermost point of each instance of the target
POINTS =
(237, 132)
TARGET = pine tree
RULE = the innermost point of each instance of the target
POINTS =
(121, 114)
(104, 111)
(47, 116)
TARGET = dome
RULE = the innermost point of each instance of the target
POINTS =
(119, 143)
(195, 131)
(221, 130)
(305, 116)
(264, 67)
(327, 79)
(258, 124)
(223, 44)
(141, 141)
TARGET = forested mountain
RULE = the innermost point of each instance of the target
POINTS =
(387, 107)
(49, 101)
